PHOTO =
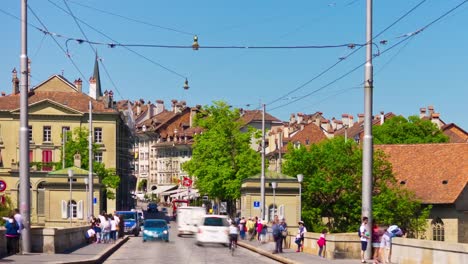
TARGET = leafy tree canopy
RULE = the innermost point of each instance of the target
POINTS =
(221, 155)
(414, 130)
(77, 142)
(332, 188)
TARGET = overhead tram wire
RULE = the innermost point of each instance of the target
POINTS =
(349, 55)
(132, 51)
(92, 48)
(58, 44)
(132, 19)
(410, 36)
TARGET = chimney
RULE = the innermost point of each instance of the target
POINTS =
(435, 118)
(360, 118)
(79, 85)
(193, 112)
(15, 81)
(159, 106)
(431, 110)
(351, 121)
(174, 102)
(345, 119)
(77, 160)
(92, 87)
(292, 119)
(3, 93)
(300, 117)
(382, 117)
(138, 106)
(325, 124)
(178, 107)
(110, 99)
(422, 112)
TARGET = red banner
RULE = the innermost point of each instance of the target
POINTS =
(187, 182)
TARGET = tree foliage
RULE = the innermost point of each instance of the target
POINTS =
(77, 142)
(414, 130)
(221, 154)
(332, 188)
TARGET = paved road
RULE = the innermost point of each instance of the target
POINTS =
(181, 250)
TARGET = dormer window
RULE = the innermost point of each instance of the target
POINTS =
(402, 182)
(444, 182)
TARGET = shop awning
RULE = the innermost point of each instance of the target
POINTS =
(163, 188)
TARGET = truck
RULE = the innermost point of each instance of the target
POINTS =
(188, 217)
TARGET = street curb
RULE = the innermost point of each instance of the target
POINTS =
(266, 253)
(102, 256)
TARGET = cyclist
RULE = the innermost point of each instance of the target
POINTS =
(233, 232)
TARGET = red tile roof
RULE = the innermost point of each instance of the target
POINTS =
(437, 173)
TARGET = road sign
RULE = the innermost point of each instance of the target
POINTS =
(256, 204)
(3, 185)
(95, 200)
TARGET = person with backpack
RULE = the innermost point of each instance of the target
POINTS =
(12, 235)
(301, 232)
(321, 242)
(277, 230)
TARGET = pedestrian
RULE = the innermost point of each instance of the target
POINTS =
(19, 220)
(301, 231)
(259, 229)
(364, 237)
(97, 229)
(277, 229)
(242, 228)
(106, 228)
(250, 227)
(113, 229)
(377, 233)
(11, 234)
(117, 225)
(322, 242)
(385, 245)
(90, 235)
(284, 233)
(121, 226)
(254, 232)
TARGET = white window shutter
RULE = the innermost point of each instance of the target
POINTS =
(64, 209)
(79, 209)
(281, 211)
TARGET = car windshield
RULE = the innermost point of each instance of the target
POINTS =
(157, 224)
(127, 216)
(215, 221)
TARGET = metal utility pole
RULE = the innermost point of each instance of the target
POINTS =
(262, 178)
(90, 154)
(368, 144)
(25, 202)
(64, 141)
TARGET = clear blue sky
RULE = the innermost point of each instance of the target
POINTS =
(428, 69)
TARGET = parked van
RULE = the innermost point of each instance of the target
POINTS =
(131, 222)
(187, 219)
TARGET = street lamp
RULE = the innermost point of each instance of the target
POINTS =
(300, 177)
(86, 195)
(274, 185)
(70, 179)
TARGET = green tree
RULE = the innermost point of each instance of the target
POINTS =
(77, 142)
(222, 156)
(414, 130)
(6, 209)
(332, 189)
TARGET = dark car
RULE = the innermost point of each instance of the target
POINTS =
(152, 208)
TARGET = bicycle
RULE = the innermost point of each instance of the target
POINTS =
(232, 246)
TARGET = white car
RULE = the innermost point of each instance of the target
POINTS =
(213, 229)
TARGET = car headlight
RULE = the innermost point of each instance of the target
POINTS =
(165, 232)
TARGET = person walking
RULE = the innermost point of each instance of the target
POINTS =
(277, 229)
(11, 234)
(255, 223)
(377, 233)
(19, 220)
(242, 228)
(97, 229)
(284, 233)
(259, 229)
(364, 237)
(321, 242)
(301, 232)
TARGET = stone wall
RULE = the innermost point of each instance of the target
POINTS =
(51, 240)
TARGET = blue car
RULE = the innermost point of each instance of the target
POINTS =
(131, 223)
(155, 229)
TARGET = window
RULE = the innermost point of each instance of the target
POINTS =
(98, 157)
(47, 134)
(30, 134)
(46, 160)
(98, 135)
(438, 230)
(72, 209)
(40, 199)
(31, 155)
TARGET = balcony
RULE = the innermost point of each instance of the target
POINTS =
(43, 166)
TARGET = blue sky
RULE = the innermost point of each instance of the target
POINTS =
(427, 69)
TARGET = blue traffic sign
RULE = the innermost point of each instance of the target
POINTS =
(256, 204)
(95, 200)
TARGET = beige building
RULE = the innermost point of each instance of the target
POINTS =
(284, 202)
(56, 105)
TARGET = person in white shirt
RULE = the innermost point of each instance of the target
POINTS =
(233, 232)
(19, 220)
(364, 237)
(113, 229)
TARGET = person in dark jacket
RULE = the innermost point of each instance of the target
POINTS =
(12, 235)
(121, 226)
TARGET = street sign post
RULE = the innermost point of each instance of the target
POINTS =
(256, 204)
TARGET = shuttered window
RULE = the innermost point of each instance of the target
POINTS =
(40, 199)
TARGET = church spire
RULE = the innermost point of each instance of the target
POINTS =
(95, 81)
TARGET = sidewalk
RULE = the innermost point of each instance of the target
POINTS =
(289, 255)
(93, 253)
